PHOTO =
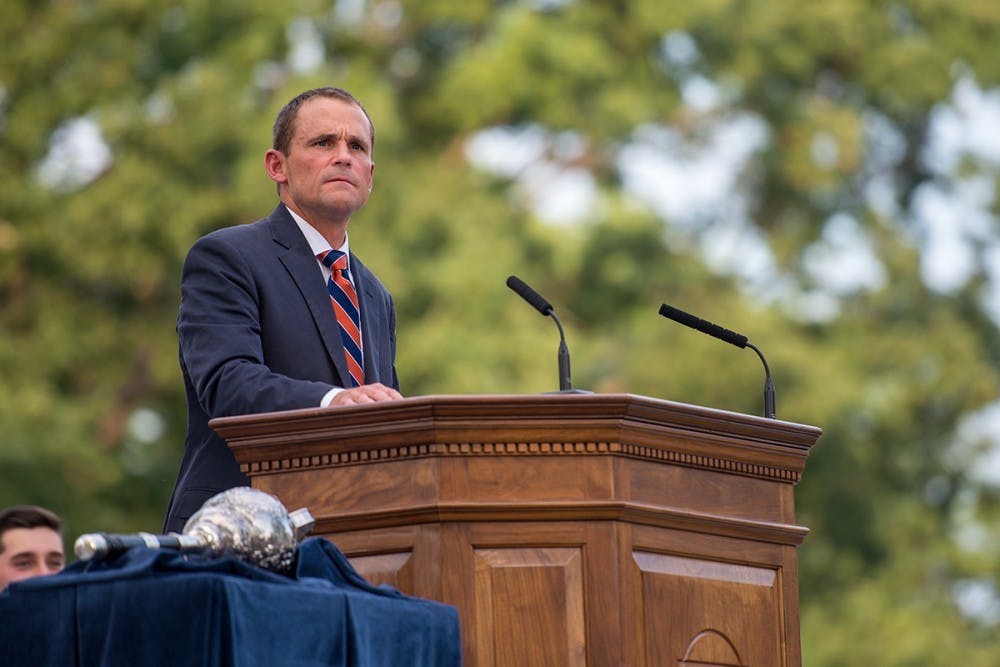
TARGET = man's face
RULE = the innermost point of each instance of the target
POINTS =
(327, 172)
(29, 552)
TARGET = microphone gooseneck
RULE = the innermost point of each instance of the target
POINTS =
(565, 384)
(768, 383)
(731, 337)
(545, 308)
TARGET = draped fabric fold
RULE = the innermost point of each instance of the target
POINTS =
(159, 607)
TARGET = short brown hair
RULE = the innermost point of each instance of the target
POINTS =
(284, 124)
(28, 516)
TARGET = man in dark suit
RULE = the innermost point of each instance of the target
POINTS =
(259, 323)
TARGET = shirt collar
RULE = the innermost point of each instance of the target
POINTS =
(317, 243)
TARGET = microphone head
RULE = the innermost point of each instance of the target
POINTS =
(704, 326)
(530, 295)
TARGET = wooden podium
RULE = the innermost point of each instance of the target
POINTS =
(568, 529)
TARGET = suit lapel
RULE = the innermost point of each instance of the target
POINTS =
(371, 323)
(296, 256)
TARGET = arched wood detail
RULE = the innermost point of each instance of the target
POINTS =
(712, 643)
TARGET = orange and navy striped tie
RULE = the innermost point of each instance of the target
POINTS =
(345, 306)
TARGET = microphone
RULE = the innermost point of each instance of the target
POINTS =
(546, 309)
(731, 337)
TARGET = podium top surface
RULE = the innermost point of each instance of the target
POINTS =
(521, 425)
(592, 410)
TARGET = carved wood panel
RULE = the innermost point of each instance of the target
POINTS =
(731, 612)
(394, 569)
(530, 607)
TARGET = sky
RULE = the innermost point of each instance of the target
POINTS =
(698, 187)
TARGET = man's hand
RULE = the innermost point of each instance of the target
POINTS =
(366, 393)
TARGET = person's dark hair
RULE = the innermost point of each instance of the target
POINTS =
(28, 516)
(284, 124)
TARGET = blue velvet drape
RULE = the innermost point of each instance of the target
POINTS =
(159, 607)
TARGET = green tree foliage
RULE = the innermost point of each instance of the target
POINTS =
(835, 100)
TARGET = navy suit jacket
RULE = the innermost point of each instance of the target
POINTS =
(257, 333)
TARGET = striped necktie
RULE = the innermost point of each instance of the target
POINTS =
(345, 306)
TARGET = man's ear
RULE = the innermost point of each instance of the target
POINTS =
(274, 164)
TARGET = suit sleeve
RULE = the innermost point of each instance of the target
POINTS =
(392, 345)
(219, 329)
